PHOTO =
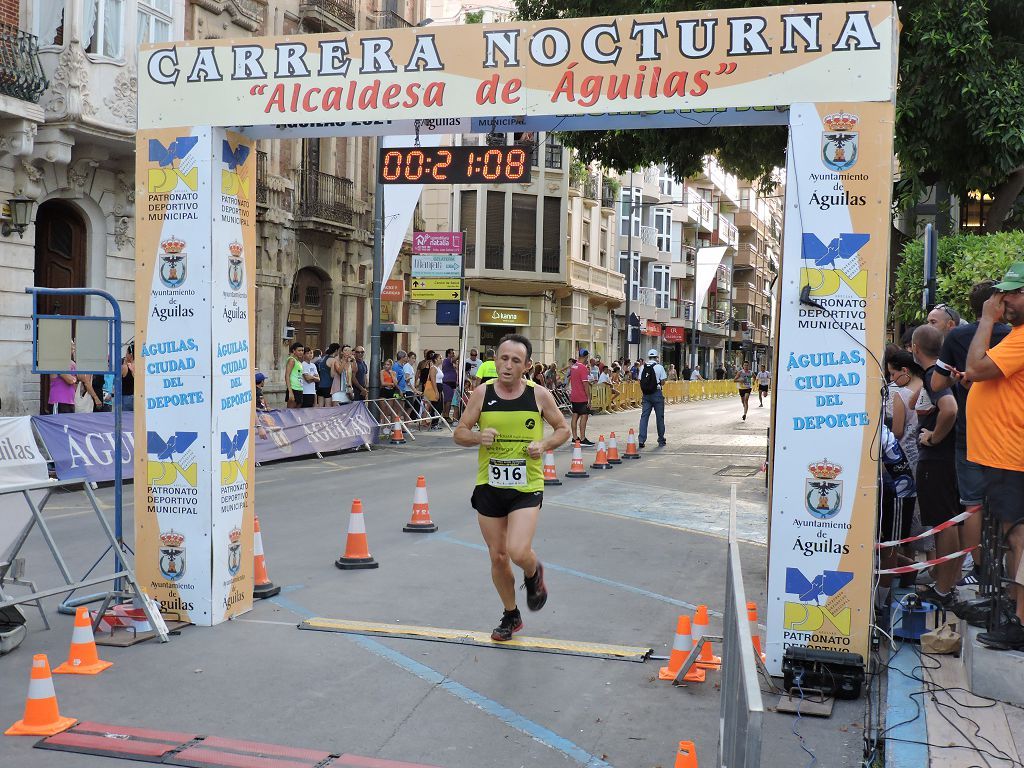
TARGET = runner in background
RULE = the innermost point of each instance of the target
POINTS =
(509, 492)
(745, 380)
(764, 379)
(292, 374)
(579, 397)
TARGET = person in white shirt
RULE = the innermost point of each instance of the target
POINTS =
(411, 393)
(310, 378)
(763, 380)
(651, 378)
(473, 363)
(695, 375)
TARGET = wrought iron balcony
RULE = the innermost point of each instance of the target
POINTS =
(261, 177)
(390, 20)
(21, 74)
(324, 196)
(328, 15)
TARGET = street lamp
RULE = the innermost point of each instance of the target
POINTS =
(19, 216)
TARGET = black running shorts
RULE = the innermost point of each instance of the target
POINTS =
(1004, 489)
(499, 502)
(937, 495)
(583, 409)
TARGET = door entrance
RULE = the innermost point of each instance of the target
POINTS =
(59, 263)
(490, 335)
(306, 314)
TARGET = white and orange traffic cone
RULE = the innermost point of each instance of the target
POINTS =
(262, 585)
(755, 631)
(397, 435)
(357, 552)
(601, 459)
(420, 521)
(686, 755)
(83, 658)
(550, 474)
(681, 647)
(613, 450)
(707, 658)
(631, 452)
(42, 716)
(576, 469)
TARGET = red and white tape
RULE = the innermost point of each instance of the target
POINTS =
(931, 531)
(925, 564)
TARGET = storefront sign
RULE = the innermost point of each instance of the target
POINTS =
(428, 243)
(653, 328)
(502, 316)
(442, 265)
(394, 290)
(675, 334)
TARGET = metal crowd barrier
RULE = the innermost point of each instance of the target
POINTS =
(387, 412)
(741, 709)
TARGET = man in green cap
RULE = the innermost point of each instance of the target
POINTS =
(995, 434)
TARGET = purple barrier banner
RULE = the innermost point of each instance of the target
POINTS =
(302, 431)
(82, 444)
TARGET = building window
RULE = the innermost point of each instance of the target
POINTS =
(663, 226)
(623, 260)
(666, 184)
(154, 21)
(552, 152)
(467, 221)
(105, 21)
(660, 281)
(626, 199)
(524, 233)
(48, 22)
(551, 253)
(494, 242)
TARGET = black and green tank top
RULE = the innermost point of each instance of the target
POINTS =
(506, 464)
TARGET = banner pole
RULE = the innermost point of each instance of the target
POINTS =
(378, 277)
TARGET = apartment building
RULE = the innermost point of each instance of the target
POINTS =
(710, 234)
(539, 256)
(462, 12)
(67, 164)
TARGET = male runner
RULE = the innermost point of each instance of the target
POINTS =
(744, 378)
(763, 380)
(510, 479)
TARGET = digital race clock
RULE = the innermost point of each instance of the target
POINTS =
(453, 165)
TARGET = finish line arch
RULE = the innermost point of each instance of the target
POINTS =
(827, 71)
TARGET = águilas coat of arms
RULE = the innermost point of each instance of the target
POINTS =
(236, 269)
(822, 491)
(172, 262)
(839, 141)
(172, 555)
(234, 550)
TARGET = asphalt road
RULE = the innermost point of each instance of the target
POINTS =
(626, 551)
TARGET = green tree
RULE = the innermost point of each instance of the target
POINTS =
(474, 17)
(963, 261)
(959, 109)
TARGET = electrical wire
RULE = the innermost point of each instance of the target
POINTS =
(796, 721)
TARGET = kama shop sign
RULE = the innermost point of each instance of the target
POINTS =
(504, 316)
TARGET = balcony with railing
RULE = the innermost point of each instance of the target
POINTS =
(327, 15)
(390, 20)
(594, 279)
(21, 73)
(275, 198)
(699, 210)
(727, 232)
(591, 185)
(325, 198)
(745, 256)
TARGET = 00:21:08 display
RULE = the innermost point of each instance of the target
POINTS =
(443, 166)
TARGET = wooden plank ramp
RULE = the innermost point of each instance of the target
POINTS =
(989, 731)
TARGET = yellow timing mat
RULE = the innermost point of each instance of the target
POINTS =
(469, 637)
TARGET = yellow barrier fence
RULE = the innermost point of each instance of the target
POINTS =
(603, 399)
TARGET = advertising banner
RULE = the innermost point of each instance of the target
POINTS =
(429, 243)
(304, 431)
(645, 63)
(21, 462)
(81, 445)
(831, 337)
(233, 329)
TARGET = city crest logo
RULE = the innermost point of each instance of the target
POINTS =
(839, 142)
(822, 491)
(236, 269)
(234, 550)
(173, 262)
(172, 555)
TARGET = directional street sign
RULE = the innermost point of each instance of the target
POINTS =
(441, 265)
(436, 288)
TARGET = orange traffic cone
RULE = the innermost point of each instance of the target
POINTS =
(82, 658)
(262, 585)
(613, 450)
(550, 474)
(631, 452)
(357, 553)
(755, 630)
(707, 658)
(397, 436)
(601, 460)
(686, 757)
(681, 647)
(420, 521)
(576, 469)
(42, 717)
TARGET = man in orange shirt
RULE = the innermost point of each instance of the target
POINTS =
(995, 433)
